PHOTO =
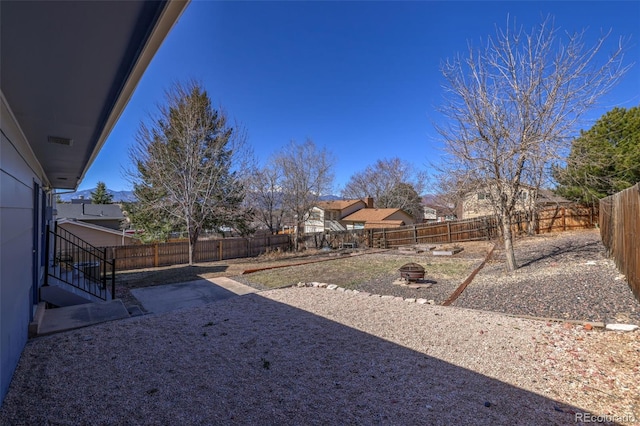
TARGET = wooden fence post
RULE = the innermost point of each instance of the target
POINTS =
(155, 256)
(220, 249)
(564, 219)
(415, 234)
(449, 232)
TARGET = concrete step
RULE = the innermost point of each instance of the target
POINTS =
(89, 286)
(57, 320)
(57, 296)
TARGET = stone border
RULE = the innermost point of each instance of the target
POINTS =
(335, 287)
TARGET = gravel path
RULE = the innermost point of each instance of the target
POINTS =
(565, 275)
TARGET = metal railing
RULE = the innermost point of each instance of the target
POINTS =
(78, 264)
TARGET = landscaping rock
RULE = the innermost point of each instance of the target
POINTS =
(621, 327)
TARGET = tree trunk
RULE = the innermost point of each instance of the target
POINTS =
(532, 223)
(508, 243)
(296, 239)
(193, 239)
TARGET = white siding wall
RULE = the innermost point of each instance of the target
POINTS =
(19, 171)
(315, 223)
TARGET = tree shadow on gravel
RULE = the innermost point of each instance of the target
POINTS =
(168, 275)
(556, 251)
(252, 360)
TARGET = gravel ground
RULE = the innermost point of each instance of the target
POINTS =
(315, 356)
(319, 357)
(565, 275)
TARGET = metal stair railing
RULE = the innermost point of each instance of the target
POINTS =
(78, 264)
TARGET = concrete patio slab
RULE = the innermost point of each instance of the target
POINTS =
(169, 297)
(77, 316)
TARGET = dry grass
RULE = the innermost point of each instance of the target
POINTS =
(227, 268)
(352, 271)
(288, 268)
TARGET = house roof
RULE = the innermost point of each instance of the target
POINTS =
(69, 69)
(337, 204)
(546, 196)
(89, 211)
(94, 227)
(372, 215)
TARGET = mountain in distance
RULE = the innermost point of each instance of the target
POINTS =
(330, 198)
(118, 196)
(127, 196)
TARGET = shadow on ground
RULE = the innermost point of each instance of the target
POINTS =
(168, 275)
(251, 360)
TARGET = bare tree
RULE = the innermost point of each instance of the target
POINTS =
(265, 197)
(517, 99)
(306, 175)
(403, 196)
(380, 179)
(186, 165)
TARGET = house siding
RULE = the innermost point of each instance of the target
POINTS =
(315, 222)
(352, 209)
(319, 216)
(20, 176)
(96, 237)
(474, 205)
(399, 215)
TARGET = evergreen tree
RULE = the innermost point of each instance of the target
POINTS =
(184, 158)
(100, 195)
(604, 159)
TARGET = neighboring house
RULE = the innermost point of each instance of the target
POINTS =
(97, 236)
(329, 215)
(68, 71)
(479, 203)
(105, 215)
(439, 214)
(430, 214)
(378, 218)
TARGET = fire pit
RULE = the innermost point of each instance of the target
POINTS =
(411, 272)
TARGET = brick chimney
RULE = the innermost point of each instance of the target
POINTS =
(369, 202)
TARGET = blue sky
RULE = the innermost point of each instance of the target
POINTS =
(359, 78)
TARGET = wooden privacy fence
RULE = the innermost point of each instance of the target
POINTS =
(177, 253)
(557, 219)
(484, 228)
(337, 239)
(620, 231)
(437, 233)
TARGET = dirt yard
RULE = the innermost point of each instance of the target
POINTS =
(373, 271)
